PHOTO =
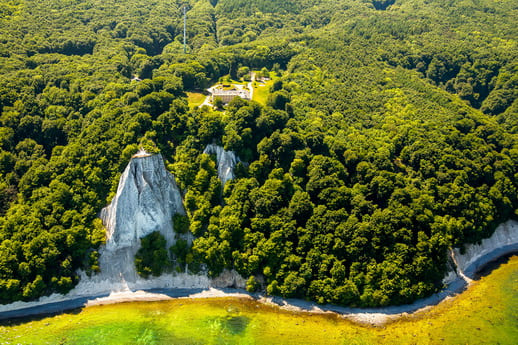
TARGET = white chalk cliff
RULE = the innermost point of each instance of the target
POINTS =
(503, 241)
(146, 200)
(226, 161)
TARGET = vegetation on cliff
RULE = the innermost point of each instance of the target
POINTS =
(151, 258)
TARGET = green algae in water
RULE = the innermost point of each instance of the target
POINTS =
(487, 313)
(114, 333)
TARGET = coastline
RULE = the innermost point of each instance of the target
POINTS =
(479, 256)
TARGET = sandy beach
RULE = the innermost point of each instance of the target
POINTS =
(503, 242)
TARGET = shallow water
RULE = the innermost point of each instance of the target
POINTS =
(487, 313)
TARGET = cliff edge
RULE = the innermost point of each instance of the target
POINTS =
(503, 241)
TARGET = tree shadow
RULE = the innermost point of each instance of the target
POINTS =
(15, 321)
(488, 268)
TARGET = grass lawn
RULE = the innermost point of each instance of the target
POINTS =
(195, 99)
(261, 91)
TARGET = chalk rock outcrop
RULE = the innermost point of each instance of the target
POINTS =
(229, 279)
(226, 161)
(503, 241)
(146, 200)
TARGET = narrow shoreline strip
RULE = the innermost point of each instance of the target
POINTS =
(485, 253)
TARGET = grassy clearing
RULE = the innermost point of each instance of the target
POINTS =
(485, 314)
(195, 99)
(261, 91)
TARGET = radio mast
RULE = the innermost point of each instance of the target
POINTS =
(185, 29)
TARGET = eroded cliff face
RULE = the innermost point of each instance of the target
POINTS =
(503, 241)
(146, 200)
(464, 264)
(226, 161)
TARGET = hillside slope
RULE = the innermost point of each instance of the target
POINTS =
(389, 135)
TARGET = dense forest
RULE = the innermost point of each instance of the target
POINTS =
(389, 135)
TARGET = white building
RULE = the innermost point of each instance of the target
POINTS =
(227, 95)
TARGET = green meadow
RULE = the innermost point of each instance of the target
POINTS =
(195, 99)
(487, 313)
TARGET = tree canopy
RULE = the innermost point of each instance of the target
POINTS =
(388, 135)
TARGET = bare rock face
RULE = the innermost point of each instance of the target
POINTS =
(229, 278)
(503, 241)
(146, 200)
(464, 265)
(226, 161)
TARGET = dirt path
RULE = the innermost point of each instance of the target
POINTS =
(251, 86)
(207, 99)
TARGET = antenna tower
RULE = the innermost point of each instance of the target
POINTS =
(184, 29)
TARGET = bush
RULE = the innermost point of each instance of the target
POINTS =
(180, 250)
(252, 285)
(180, 224)
(151, 258)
